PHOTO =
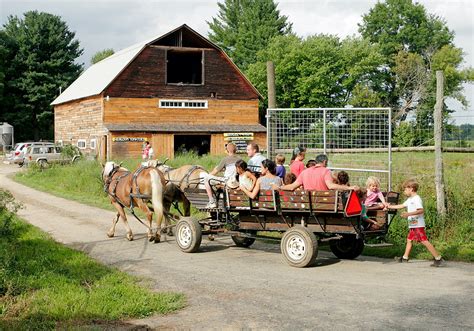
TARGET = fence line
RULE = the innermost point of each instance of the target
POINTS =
(379, 150)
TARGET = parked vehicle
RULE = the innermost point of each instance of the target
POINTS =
(44, 153)
(17, 155)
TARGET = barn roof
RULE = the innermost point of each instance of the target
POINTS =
(179, 127)
(99, 76)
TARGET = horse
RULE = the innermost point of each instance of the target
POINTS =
(135, 189)
(177, 180)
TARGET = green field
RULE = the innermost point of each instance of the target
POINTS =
(453, 236)
(45, 285)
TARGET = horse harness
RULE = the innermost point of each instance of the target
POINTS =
(111, 180)
(186, 177)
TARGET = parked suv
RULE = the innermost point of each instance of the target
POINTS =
(17, 155)
(44, 153)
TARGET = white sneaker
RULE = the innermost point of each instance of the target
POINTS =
(211, 205)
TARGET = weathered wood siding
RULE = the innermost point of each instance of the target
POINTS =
(128, 149)
(163, 145)
(80, 119)
(146, 110)
(145, 77)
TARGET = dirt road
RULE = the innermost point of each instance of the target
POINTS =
(235, 288)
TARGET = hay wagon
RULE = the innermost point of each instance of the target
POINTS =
(306, 219)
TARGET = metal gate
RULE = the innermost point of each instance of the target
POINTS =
(356, 140)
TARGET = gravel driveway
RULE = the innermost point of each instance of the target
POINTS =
(236, 288)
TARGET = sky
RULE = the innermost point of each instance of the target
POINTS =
(117, 24)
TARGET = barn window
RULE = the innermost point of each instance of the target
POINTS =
(81, 143)
(93, 143)
(183, 104)
(184, 67)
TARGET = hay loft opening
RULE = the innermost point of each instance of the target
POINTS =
(184, 67)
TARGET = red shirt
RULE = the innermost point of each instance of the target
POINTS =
(315, 178)
(296, 167)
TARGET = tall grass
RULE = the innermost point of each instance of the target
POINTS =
(452, 235)
(43, 283)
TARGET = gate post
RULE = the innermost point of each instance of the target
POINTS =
(438, 127)
(271, 105)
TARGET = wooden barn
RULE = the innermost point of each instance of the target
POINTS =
(178, 91)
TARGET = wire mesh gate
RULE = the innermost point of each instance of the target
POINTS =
(357, 140)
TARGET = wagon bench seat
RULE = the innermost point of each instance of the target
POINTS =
(287, 202)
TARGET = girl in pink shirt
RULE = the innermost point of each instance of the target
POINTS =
(297, 166)
(374, 195)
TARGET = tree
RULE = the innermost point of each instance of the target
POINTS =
(403, 26)
(100, 55)
(319, 71)
(42, 53)
(243, 27)
(415, 45)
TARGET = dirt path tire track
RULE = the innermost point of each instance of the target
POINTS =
(236, 288)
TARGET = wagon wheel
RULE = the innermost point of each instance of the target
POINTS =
(243, 241)
(188, 234)
(349, 247)
(299, 246)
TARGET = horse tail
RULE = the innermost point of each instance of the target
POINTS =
(157, 196)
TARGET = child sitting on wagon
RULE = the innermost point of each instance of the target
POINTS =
(343, 179)
(245, 177)
(375, 198)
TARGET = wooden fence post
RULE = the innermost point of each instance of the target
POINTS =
(438, 137)
(271, 133)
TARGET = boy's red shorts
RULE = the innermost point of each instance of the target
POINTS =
(417, 234)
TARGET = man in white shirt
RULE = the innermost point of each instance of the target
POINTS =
(256, 158)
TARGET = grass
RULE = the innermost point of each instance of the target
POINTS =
(44, 285)
(453, 236)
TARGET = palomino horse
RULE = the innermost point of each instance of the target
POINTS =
(177, 180)
(135, 189)
(187, 176)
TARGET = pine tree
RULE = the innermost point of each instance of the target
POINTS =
(42, 53)
(243, 27)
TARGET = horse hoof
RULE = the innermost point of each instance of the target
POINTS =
(110, 235)
(151, 238)
(157, 239)
(210, 237)
(129, 237)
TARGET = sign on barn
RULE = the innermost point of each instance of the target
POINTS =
(241, 140)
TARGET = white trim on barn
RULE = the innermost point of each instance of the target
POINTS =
(174, 103)
(81, 143)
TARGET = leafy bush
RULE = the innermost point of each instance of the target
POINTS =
(8, 208)
(69, 151)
